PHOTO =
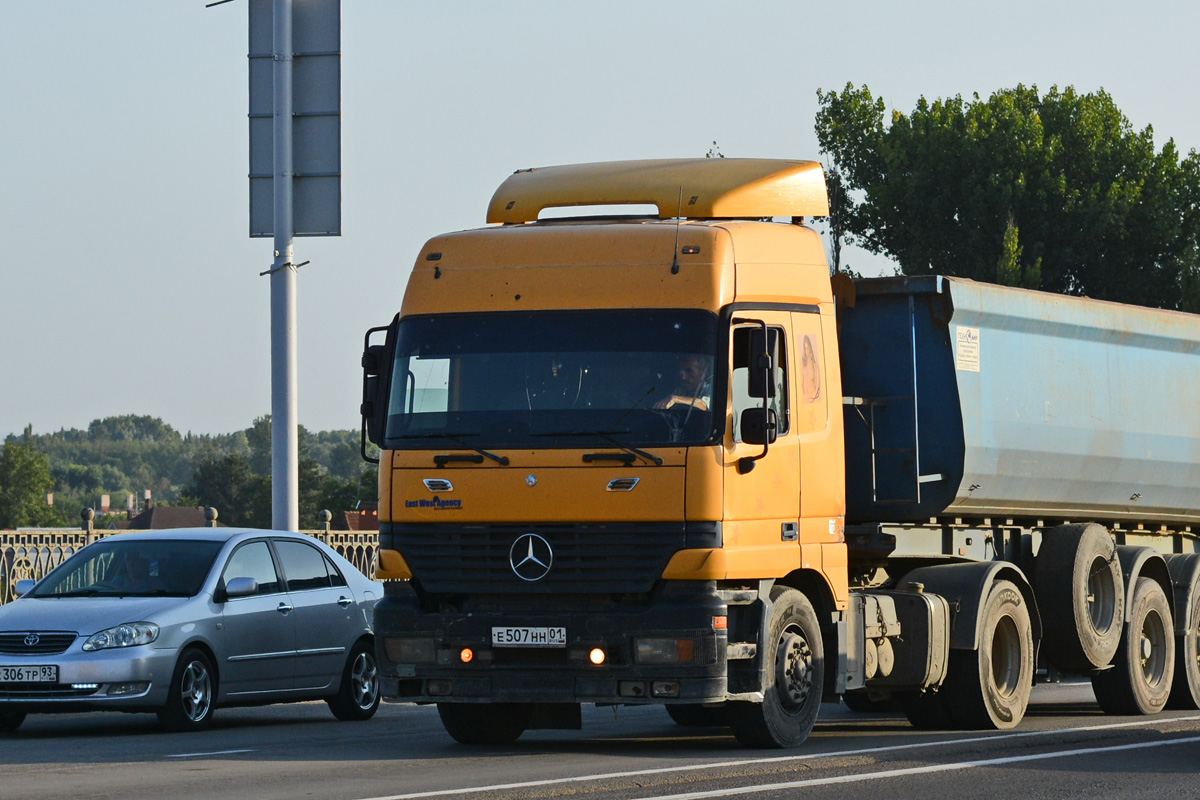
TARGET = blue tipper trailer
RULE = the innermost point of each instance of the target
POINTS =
(971, 400)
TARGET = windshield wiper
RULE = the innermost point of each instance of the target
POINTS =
(608, 437)
(90, 592)
(442, 460)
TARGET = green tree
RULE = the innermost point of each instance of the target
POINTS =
(1054, 191)
(25, 481)
(226, 483)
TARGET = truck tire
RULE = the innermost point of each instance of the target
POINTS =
(1185, 687)
(695, 715)
(795, 677)
(1081, 592)
(990, 687)
(485, 723)
(1140, 679)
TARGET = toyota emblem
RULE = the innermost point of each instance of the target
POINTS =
(32, 639)
(530, 557)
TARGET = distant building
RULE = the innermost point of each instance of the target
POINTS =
(157, 518)
(364, 518)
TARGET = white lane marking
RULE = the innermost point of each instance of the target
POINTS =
(777, 759)
(212, 753)
(897, 773)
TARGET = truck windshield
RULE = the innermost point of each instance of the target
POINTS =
(545, 379)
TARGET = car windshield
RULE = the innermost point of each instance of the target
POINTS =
(138, 567)
(544, 379)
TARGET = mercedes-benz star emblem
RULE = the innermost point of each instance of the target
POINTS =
(32, 639)
(530, 557)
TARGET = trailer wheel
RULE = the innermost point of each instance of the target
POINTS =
(1140, 679)
(990, 687)
(485, 723)
(1185, 688)
(1081, 590)
(695, 715)
(795, 677)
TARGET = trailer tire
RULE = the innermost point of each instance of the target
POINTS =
(1185, 687)
(1081, 616)
(990, 687)
(695, 715)
(485, 723)
(1140, 679)
(795, 677)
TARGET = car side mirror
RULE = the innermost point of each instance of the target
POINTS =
(241, 587)
(24, 587)
(759, 426)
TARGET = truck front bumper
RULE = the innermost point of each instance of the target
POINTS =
(669, 649)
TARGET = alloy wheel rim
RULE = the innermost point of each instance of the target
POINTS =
(196, 691)
(364, 681)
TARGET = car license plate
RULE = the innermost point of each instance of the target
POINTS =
(517, 636)
(29, 674)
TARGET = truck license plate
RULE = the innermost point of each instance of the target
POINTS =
(515, 636)
(29, 674)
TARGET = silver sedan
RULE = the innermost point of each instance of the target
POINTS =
(184, 621)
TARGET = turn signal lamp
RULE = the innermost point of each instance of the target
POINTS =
(467, 655)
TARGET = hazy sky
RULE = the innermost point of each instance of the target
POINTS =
(129, 283)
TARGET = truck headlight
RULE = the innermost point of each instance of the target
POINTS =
(130, 634)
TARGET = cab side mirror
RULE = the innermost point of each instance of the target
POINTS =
(24, 587)
(759, 426)
(764, 344)
(376, 365)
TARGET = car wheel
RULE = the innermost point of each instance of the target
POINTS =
(358, 695)
(193, 689)
(11, 720)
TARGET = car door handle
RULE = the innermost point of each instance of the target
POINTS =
(344, 601)
(283, 608)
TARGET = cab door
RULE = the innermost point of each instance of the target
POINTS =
(762, 492)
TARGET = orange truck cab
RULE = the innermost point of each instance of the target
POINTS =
(603, 440)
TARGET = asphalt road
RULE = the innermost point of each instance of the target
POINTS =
(1065, 748)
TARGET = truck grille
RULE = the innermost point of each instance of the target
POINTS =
(35, 643)
(587, 558)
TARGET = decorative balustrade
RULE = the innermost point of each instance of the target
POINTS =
(33, 553)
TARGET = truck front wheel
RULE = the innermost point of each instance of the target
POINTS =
(1140, 679)
(485, 723)
(795, 677)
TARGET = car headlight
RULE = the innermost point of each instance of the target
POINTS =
(129, 634)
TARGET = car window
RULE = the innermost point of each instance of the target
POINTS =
(303, 565)
(253, 560)
(335, 574)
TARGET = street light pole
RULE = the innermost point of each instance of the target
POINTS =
(285, 471)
